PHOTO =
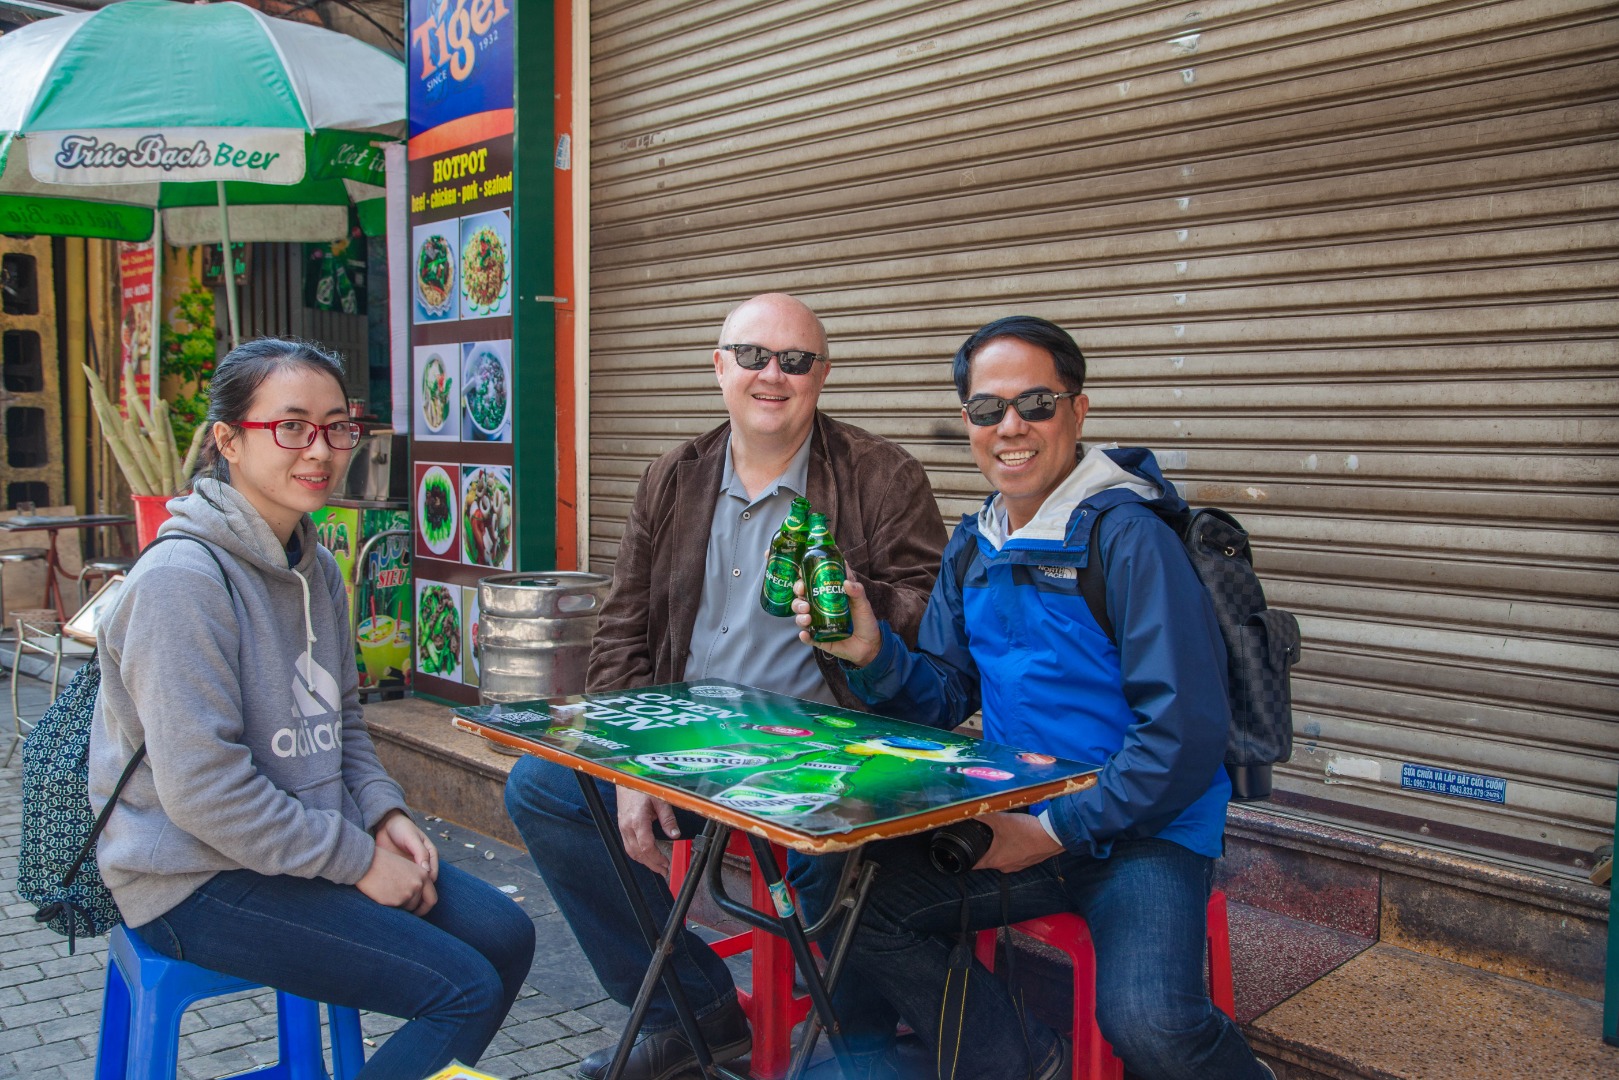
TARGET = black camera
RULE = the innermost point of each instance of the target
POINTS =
(954, 849)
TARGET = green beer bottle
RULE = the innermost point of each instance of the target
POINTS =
(802, 789)
(823, 584)
(781, 566)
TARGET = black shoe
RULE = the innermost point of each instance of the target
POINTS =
(663, 1055)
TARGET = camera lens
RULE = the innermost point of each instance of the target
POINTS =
(955, 849)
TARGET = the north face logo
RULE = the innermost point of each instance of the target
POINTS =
(1061, 573)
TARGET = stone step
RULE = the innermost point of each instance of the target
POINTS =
(1393, 1014)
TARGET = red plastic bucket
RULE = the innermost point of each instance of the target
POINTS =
(150, 512)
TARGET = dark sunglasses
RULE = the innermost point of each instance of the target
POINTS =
(300, 434)
(755, 357)
(1032, 405)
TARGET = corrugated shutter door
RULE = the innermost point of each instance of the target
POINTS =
(1348, 266)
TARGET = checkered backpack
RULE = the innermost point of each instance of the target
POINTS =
(56, 868)
(1261, 643)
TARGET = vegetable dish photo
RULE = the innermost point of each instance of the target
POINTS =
(435, 276)
(439, 623)
(435, 510)
(436, 385)
(486, 533)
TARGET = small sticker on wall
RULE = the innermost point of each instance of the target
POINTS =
(1459, 785)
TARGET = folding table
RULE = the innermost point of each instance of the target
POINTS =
(808, 776)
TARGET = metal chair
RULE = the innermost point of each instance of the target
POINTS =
(37, 632)
(103, 568)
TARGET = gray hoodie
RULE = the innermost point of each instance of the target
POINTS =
(249, 708)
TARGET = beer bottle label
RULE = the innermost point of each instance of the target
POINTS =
(781, 573)
(826, 590)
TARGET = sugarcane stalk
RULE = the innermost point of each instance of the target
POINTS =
(121, 453)
(166, 430)
(143, 443)
(192, 452)
(162, 436)
(112, 428)
(141, 452)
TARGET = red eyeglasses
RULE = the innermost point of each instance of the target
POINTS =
(300, 434)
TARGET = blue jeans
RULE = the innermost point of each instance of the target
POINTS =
(453, 973)
(549, 811)
(1145, 905)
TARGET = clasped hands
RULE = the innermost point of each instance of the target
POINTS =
(404, 866)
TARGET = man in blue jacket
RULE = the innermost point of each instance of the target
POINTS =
(1008, 630)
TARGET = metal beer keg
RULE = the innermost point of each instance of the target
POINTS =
(534, 633)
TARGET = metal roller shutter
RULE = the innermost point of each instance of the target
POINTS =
(1348, 266)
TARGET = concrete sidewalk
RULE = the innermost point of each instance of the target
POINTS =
(50, 1002)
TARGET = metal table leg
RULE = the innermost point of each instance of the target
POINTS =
(706, 847)
(787, 920)
(834, 965)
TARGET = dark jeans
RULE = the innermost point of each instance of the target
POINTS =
(548, 809)
(1145, 905)
(544, 801)
(453, 973)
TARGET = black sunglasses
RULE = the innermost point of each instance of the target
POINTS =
(1032, 405)
(792, 361)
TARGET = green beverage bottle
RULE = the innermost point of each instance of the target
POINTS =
(781, 566)
(802, 789)
(823, 584)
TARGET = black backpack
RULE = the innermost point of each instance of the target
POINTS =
(56, 866)
(1261, 642)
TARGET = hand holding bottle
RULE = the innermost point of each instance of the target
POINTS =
(863, 643)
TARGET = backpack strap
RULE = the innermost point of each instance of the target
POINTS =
(205, 545)
(1093, 583)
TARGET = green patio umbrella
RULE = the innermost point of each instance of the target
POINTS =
(231, 124)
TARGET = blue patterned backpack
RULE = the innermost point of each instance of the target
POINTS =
(56, 868)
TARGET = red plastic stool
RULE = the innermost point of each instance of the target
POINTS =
(1093, 1057)
(772, 1008)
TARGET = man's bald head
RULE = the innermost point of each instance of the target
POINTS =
(776, 307)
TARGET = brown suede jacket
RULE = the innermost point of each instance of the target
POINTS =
(875, 496)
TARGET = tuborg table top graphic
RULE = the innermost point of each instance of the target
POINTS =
(814, 769)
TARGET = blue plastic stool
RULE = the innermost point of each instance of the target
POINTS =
(147, 994)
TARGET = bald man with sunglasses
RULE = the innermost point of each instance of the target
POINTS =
(685, 606)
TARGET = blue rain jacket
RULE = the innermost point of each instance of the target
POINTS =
(1014, 637)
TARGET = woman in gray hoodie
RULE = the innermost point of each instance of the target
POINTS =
(261, 837)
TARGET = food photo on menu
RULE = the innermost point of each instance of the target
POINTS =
(438, 389)
(486, 271)
(486, 515)
(485, 392)
(438, 626)
(433, 280)
(437, 498)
